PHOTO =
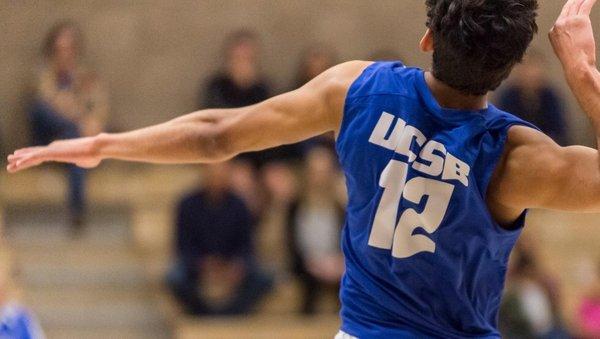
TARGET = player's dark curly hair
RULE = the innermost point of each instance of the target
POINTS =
(478, 42)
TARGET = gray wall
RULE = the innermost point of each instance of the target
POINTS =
(154, 54)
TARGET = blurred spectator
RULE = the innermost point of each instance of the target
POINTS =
(15, 321)
(388, 54)
(244, 185)
(239, 82)
(315, 60)
(531, 304)
(314, 222)
(70, 102)
(531, 96)
(215, 270)
(588, 315)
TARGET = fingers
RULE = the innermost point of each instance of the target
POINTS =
(586, 7)
(26, 157)
(73, 151)
(27, 162)
(20, 162)
(27, 150)
(21, 154)
(575, 7)
(568, 8)
(13, 159)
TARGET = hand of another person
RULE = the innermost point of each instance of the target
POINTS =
(220, 278)
(572, 35)
(222, 271)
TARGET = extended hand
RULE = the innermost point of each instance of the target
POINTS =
(81, 152)
(572, 36)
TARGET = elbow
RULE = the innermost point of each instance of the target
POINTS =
(214, 144)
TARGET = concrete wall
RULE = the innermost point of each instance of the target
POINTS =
(154, 54)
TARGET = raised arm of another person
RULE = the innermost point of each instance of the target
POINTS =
(573, 40)
(535, 172)
(216, 134)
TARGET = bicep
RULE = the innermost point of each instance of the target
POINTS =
(311, 110)
(538, 173)
(284, 119)
(575, 182)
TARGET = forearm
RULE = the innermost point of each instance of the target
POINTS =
(584, 81)
(212, 135)
(193, 138)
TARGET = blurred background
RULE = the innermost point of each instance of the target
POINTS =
(248, 248)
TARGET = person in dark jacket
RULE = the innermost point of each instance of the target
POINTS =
(215, 270)
(239, 82)
(531, 96)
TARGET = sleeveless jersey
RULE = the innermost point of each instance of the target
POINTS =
(424, 257)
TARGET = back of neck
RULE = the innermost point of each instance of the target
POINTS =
(448, 97)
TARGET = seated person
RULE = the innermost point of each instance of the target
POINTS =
(70, 102)
(588, 313)
(386, 54)
(315, 60)
(215, 272)
(531, 96)
(531, 304)
(15, 321)
(240, 82)
(315, 220)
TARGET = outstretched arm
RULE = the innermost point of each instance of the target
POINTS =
(215, 134)
(536, 172)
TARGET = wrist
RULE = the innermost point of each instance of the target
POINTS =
(581, 73)
(101, 145)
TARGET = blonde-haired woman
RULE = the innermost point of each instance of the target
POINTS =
(70, 102)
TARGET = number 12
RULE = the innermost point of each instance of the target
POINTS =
(385, 234)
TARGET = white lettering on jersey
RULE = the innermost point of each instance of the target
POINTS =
(455, 169)
(433, 160)
(436, 161)
(378, 137)
(410, 134)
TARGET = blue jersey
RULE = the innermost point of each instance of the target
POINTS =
(424, 257)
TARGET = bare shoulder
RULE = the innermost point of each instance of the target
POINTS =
(527, 147)
(349, 70)
(334, 84)
(338, 79)
(525, 152)
(529, 158)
